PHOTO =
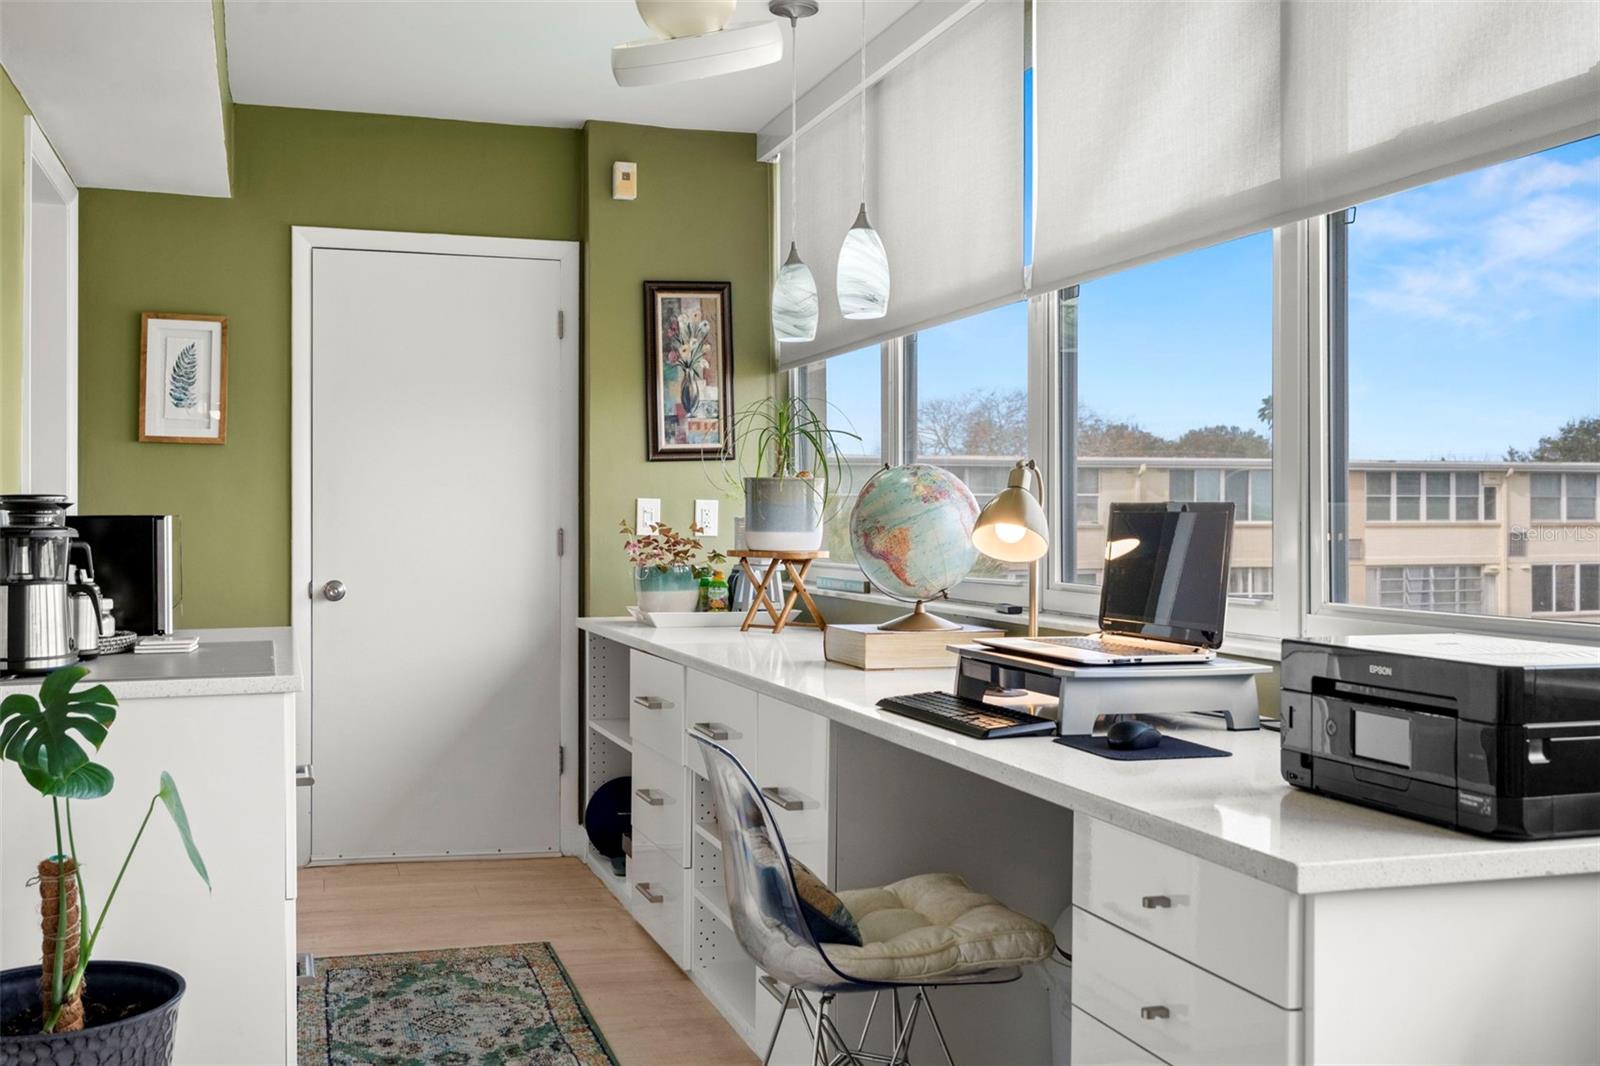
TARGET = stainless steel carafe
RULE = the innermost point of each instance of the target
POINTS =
(36, 618)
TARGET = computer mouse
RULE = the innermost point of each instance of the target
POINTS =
(1129, 735)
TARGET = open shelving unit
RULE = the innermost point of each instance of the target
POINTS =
(721, 968)
(607, 740)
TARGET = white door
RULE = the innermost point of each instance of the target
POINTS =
(438, 409)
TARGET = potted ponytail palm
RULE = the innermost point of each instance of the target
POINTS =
(68, 1009)
(797, 467)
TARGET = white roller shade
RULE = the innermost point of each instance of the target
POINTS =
(1170, 124)
(945, 193)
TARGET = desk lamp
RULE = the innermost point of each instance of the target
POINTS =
(1012, 528)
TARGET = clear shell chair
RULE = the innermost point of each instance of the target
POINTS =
(764, 905)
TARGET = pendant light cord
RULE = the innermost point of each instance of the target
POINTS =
(863, 103)
(794, 125)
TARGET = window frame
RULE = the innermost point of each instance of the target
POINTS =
(1454, 496)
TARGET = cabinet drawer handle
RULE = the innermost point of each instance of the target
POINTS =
(774, 989)
(786, 799)
(650, 703)
(303, 777)
(643, 888)
(651, 797)
(1151, 903)
(712, 730)
(1153, 1013)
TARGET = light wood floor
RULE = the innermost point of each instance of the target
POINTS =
(648, 1009)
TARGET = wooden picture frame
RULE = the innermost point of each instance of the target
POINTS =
(688, 414)
(189, 390)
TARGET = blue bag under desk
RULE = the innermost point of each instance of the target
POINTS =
(1084, 694)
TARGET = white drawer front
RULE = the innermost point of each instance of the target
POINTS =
(660, 810)
(1094, 1044)
(794, 1039)
(1243, 929)
(656, 895)
(655, 710)
(721, 711)
(792, 771)
(1173, 1008)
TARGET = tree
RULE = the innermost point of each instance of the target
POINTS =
(1576, 442)
(1224, 441)
(1264, 412)
(977, 423)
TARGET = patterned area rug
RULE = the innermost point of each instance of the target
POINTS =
(490, 1006)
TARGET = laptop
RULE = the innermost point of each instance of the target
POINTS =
(1164, 593)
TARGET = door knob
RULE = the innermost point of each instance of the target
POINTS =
(334, 590)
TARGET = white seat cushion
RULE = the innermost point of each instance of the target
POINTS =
(932, 926)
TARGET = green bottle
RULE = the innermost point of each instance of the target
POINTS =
(704, 603)
(717, 595)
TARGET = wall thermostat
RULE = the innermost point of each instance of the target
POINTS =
(624, 181)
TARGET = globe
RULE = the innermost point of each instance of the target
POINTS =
(912, 530)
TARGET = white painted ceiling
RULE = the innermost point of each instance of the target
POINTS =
(128, 93)
(527, 62)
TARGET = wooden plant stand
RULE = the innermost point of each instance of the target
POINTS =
(796, 565)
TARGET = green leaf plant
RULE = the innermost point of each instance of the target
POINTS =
(51, 739)
(785, 437)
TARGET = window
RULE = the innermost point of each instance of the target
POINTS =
(1564, 588)
(847, 390)
(1561, 497)
(967, 404)
(1452, 589)
(1435, 294)
(1167, 368)
(1432, 496)
(1250, 582)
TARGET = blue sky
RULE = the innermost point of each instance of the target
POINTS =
(1474, 323)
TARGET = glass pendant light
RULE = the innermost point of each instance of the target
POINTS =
(794, 293)
(863, 281)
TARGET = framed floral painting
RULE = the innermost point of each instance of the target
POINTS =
(183, 378)
(688, 369)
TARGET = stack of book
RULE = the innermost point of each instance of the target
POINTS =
(165, 645)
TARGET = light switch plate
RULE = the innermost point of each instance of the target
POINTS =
(646, 513)
(705, 516)
(624, 181)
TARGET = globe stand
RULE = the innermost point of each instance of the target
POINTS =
(918, 621)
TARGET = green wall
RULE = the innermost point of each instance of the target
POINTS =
(153, 252)
(703, 214)
(12, 210)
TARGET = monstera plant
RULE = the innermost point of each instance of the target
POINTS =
(52, 739)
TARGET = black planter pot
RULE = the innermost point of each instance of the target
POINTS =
(140, 1000)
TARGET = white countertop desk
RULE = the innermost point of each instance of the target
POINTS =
(1236, 812)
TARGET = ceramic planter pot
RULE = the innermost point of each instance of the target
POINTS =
(673, 589)
(143, 1000)
(782, 514)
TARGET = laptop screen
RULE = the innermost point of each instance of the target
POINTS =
(1166, 571)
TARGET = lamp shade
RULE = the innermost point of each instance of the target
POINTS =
(794, 301)
(1012, 528)
(863, 278)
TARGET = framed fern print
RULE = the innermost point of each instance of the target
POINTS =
(688, 331)
(183, 378)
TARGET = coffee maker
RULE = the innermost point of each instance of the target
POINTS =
(37, 634)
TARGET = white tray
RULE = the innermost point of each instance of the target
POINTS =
(693, 619)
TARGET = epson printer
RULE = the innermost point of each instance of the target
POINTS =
(1486, 734)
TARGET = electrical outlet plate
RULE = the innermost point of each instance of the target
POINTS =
(646, 513)
(705, 516)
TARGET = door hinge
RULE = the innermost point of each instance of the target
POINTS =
(561, 542)
(561, 325)
(561, 759)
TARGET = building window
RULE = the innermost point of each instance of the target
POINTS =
(1451, 589)
(1431, 496)
(1250, 582)
(1432, 293)
(847, 390)
(1561, 497)
(1565, 588)
(1088, 496)
(1166, 391)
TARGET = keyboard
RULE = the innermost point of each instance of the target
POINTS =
(970, 718)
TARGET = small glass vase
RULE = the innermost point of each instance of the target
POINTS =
(672, 588)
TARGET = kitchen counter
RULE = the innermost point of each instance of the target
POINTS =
(1237, 812)
(229, 662)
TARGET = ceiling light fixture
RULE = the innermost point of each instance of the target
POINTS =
(694, 41)
(794, 293)
(863, 277)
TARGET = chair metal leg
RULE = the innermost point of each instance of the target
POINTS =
(871, 1010)
(938, 1030)
(902, 1048)
(817, 1038)
(783, 1012)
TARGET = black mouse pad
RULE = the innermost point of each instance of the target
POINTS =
(1169, 748)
